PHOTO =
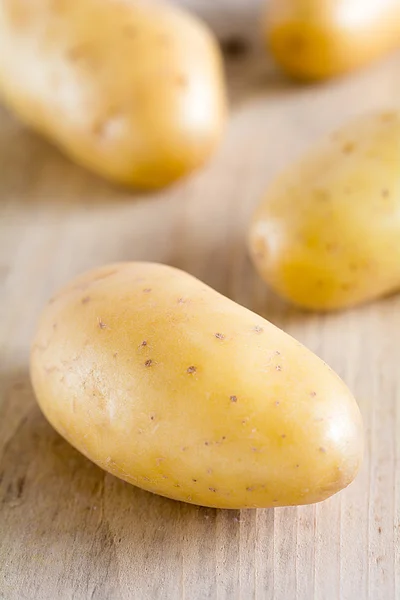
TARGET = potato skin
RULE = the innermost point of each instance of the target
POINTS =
(318, 39)
(327, 234)
(174, 388)
(139, 98)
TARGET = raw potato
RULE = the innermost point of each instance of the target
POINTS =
(130, 89)
(317, 39)
(327, 234)
(167, 384)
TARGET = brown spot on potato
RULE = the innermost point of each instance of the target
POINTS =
(258, 329)
(85, 300)
(296, 43)
(148, 363)
(147, 290)
(385, 193)
(313, 394)
(322, 195)
(297, 466)
(277, 403)
(182, 81)
(250, 488)
(278, 368)
(220, 336)
(194, 480)
(322, 449)
(348, 147)
(212, 489)
(101, 323)
(388, 117)
(144, 343)
(182, 300)
(283, 436)
(191, 370)
(130, 31)
(115, 354)
(76, 53)
(233, 398)
(331, 247)
(209, 471)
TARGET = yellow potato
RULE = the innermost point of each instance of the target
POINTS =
(130, 89)
(169, 385)
(317, 39)
(327, 234)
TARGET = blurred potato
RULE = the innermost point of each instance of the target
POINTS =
(318, 39)
(132, 90)
(327, 234)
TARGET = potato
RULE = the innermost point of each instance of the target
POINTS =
(169, 385)
(327, 234)
(130, 89)
(317, 39)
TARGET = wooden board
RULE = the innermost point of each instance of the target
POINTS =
(70, 531)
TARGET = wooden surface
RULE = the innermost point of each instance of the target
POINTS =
(70, 531)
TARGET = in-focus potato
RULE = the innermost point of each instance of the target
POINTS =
(327, 234)
(131, 89)
(174, 388)
(318, 39)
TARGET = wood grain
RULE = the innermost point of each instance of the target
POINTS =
(70, 531)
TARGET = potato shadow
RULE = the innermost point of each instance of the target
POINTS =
(253, 74)
(59, 511)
